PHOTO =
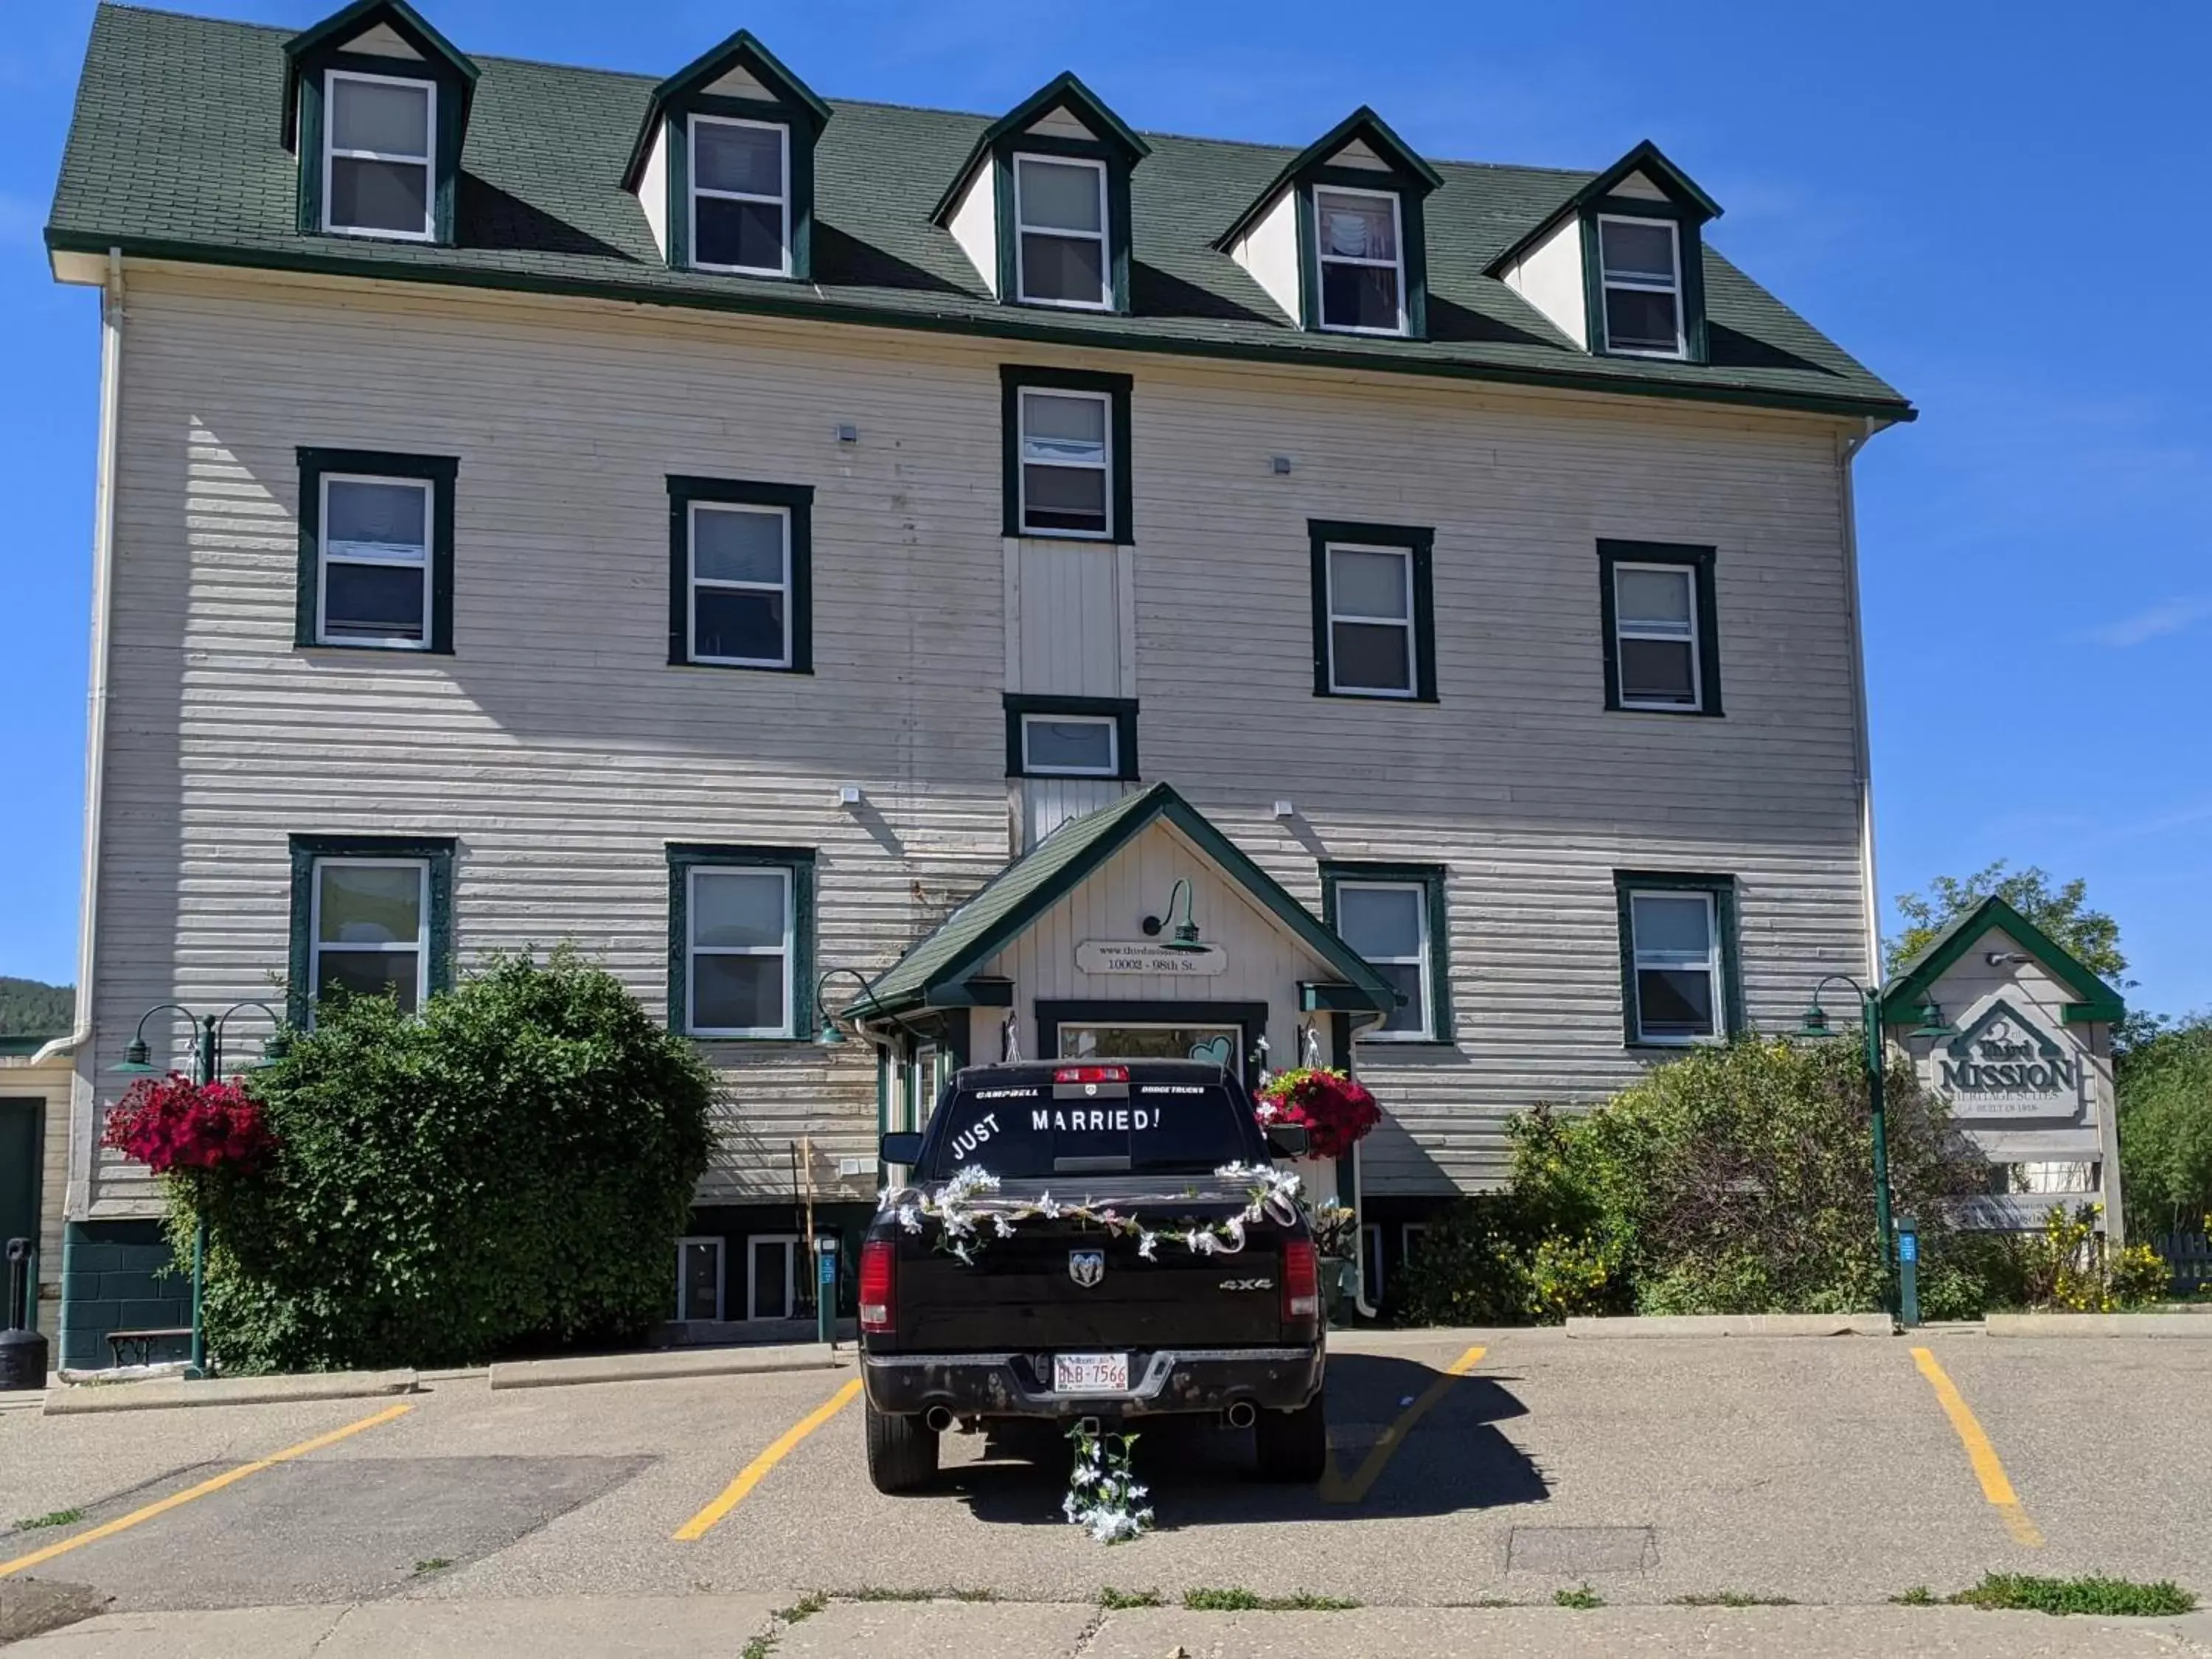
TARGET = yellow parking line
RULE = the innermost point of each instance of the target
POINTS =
(751, 1475)
(108, 1530)
(1996, 1487)
(1336, 1490)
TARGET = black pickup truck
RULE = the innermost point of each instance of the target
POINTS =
(1065, 1319)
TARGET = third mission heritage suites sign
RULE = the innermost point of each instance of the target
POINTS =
(2003, 1065)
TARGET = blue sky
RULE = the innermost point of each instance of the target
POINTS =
(1988, 207)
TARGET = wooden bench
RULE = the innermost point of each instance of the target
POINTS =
(121, 1343)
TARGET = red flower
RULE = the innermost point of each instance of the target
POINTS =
(172, 1123)
(1336, 1109)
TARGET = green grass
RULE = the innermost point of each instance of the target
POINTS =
(759, 1648)
(1115, 1601)
(1919, 1596)
(806, 1608)
(51, 1518)
(435, 1563)
(2112, 1597)
(876, 1593)
(1584, 1598)
(1733, 1598)
(1244, 1601)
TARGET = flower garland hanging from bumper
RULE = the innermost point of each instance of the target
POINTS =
(967, 1216)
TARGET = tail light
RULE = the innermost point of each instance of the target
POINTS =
(1091, 1074)
(880, 1284)
(1301, 1281)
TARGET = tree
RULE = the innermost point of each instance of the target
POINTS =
(2166, 1129)
(2063, 913)
(30, 1008)
(508, 1171)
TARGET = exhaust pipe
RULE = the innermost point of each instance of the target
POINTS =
(938, 1418)
(1241, 1415)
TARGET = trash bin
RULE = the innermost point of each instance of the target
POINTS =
(22, 1351)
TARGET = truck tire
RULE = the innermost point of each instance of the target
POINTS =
(902, 1453)
(1293, 1446)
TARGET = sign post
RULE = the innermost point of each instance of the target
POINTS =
(825, 1291)
(1908, 1270)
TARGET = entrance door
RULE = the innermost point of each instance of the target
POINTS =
(698, 1280)
(772, 1264)
(1137, 1040)
(23, 1151)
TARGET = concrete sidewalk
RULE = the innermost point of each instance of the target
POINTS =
(686, 1627)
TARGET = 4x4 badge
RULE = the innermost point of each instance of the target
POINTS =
(1086, 1267)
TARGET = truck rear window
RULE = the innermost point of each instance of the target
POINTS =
(1042, 1129)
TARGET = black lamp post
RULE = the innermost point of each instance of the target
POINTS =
(1815, 1024)
(207, 1064)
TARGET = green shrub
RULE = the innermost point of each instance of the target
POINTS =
(2164, 1085)
(2123, 1598)
(1732, 1179)
(2138, 1275)
(504, 1172)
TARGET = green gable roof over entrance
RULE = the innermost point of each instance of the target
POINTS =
(1911, 985)
(1021, 892)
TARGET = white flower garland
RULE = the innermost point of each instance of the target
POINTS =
(963, 1205)
(1103, 1494)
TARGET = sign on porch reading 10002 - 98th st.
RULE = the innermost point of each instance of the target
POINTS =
(1111, 956)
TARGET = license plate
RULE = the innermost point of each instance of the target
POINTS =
(1090, 1373)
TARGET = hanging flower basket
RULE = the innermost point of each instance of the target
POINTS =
(1336, 1107)
(174, 1125)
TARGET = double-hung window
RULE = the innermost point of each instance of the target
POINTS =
(376, 533)
(371, 916)
(1360, 245)
(1680, 980)
(1061, 256)
(1393, 916)
(1373, 634)
(376, 564)
(740, 951)
(1068, 461)
(1658, 611)
(379, 137)
(1640, 270)
(1071, 737)
(739, 580)
(740, 196)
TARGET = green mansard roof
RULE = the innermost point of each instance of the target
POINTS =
(174, 153)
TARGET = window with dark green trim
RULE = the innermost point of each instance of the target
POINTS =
(1071, 737)
(741, 924)
(376, 551)
(1643, 278)
(1394, 915)
(740, 575)
(1063, 230)
(1065, 437)
(1681, 978)
(371, 915)
(1659, 617)
(1373, 611)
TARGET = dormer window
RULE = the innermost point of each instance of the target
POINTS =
(377, 157)
(1640, 267)
(1362, 273)
(376, 107)
(740, 196)
(1339, 239)
(1060, 213)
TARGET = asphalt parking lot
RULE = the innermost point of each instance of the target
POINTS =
(1467, 1468)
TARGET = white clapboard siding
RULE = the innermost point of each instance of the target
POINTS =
(561, 750)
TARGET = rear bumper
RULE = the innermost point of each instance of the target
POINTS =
(1164, 1381)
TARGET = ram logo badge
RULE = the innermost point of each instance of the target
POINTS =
(1086, 1267)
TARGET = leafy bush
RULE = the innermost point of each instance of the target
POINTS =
(1735, 1179)
(507, 1171)
(2123, 1598)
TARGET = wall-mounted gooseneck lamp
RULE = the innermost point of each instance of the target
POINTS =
(1185, 930)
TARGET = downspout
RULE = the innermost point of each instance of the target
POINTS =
(95, 712)
(1869, 891)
